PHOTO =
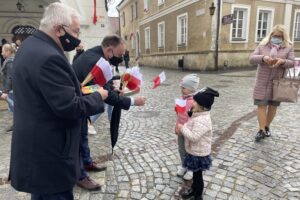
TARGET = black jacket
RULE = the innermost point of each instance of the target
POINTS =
(48, 113)
(84, 64)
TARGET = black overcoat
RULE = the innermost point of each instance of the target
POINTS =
(48, 113)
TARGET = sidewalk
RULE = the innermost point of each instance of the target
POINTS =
(145, 159)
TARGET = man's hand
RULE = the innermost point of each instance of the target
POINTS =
(139, 101)
(4, 96)
(103, 93)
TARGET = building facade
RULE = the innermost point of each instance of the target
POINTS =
(161, 32)
(19, 23)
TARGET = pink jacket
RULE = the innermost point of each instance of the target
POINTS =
(197, 134)
(263, 89)
(183, 117)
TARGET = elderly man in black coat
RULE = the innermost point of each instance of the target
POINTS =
(49, 109)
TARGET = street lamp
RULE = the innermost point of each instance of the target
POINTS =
(212, 9)
(20, 6)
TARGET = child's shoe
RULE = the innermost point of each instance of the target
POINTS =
(181, 171)
(268, 132)
(188, 175)
(259, 135)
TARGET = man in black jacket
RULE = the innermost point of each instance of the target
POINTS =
(112, 49)
(49, 109)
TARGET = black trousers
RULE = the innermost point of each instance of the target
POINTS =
(198, 183)
(67, 195)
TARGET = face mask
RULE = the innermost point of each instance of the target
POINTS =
(275, 40)
(68, 42)
(190, 112)
(115, 61)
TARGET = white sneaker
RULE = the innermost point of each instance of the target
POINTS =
(91, 129)
(181, 171)
(188, 175)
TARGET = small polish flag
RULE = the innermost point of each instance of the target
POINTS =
(159, 79)
(102, 72)
(180, 105)
(134, 78)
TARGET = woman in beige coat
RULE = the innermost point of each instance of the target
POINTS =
(273, 55)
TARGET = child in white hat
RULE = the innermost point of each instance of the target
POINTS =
(189, 84)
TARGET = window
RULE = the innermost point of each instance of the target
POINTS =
(123, 17)
(264, 23)
(146, 6)
(133, 41)
(161, 34)
(147, 38)
(132, 12)
(240, 25)
(136, 10)
(182, 22)
(160, 2)
(297, 26)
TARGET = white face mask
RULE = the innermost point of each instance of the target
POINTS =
(276, 40)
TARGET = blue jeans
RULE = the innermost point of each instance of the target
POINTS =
(109, 110)
(10, 101)
(67, 195)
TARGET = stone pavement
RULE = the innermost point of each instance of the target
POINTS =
(145, 158)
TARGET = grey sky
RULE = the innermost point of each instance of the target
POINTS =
(112, 11)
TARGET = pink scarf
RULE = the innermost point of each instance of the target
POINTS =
(274, 50)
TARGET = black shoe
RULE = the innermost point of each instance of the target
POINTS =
(259, 135)
(9, 129)
(268, 132)
(196, 197)
(187, 194)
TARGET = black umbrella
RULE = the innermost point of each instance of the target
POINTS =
(114, 125)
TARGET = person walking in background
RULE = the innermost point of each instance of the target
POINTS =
(189, 85)
(49, 109)
(197, 132)
(273, 55)
(8, 53)
(126, 58)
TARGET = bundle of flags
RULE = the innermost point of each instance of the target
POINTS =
(101, 73)
(133, 78)
(159, 79)
(180, 105)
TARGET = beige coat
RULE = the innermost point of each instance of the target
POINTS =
(197, 133)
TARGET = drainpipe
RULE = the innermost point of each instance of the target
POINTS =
(217, 36)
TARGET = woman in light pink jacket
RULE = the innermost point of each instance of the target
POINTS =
(197, 132)
(273, 55)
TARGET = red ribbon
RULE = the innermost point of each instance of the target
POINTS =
(95, 14)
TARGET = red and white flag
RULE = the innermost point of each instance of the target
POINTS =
(180, 105)
(134, 78)
(159, 79)
(102, 72)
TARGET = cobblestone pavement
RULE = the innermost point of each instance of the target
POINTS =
(145, 159)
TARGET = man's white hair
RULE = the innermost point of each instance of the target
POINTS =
(57, 14)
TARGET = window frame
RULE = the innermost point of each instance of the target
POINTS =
(297, 11)
(161, 36)
(270, 21)
(147, 39)
(179, 30)
(247, 23)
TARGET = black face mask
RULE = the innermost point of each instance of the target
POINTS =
(190, 112)
(72, 44)
(115, 61)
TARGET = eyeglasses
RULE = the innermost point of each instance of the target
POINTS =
(77, 32)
